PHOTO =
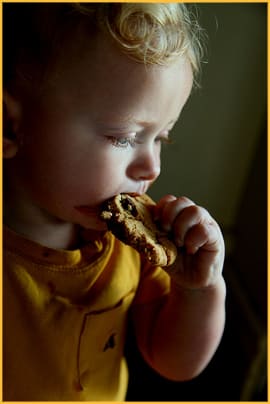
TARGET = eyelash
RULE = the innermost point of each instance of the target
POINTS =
(131, 142)
(116, 142)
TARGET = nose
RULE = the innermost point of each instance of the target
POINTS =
(145, 166)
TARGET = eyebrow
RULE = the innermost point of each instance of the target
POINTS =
(121, 123)
(148, 124)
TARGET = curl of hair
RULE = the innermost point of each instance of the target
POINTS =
(152, 33)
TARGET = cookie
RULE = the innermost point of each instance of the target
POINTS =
(129, 218)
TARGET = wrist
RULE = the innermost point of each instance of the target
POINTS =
(219, 285)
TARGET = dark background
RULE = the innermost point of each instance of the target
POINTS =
(219, 160)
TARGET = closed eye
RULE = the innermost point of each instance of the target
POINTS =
(122, 142)
(128, 141)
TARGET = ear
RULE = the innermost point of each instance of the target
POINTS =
(11, 121)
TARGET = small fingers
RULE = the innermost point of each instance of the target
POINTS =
(188, 218)
(169, 208)
(202, 235)
(191, 225)
(161, 204)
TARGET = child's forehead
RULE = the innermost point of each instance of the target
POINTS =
(106, 83)
(111, 78)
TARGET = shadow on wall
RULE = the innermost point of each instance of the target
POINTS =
(219, 160)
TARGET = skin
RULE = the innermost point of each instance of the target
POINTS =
(78, 142)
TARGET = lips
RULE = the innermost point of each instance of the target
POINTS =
(95, 211)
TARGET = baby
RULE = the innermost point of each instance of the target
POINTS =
(91, 91)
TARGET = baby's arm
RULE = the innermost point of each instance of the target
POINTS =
(179, 335)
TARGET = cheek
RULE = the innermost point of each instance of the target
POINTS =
(106, 173)
(89, 179)
(67, 168)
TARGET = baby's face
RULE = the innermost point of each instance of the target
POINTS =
(97, 130)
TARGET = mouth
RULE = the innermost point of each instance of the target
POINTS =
(94, 211)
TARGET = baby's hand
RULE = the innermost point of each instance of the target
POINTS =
(199, 241)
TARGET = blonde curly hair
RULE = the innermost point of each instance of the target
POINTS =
(150, 33)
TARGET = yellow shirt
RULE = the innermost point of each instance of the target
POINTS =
(65, 315)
